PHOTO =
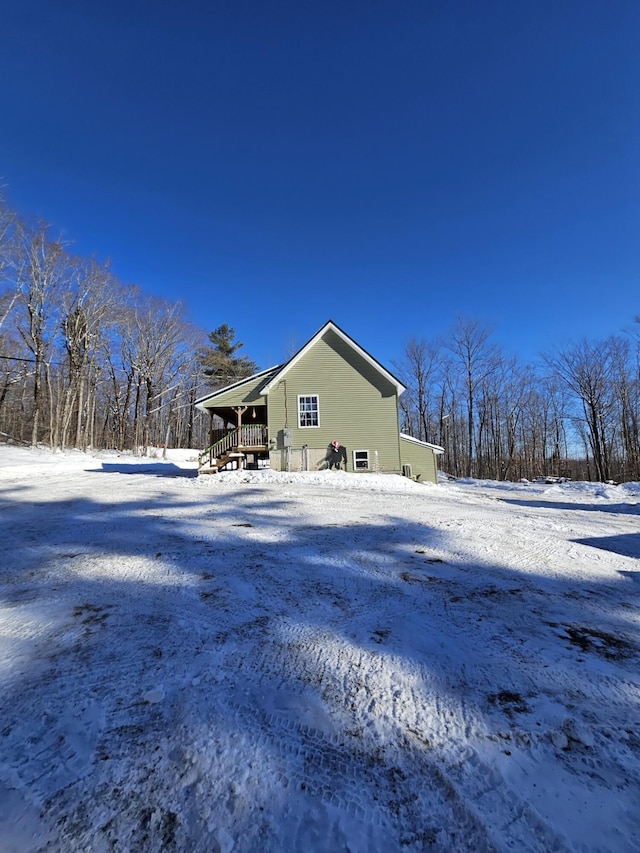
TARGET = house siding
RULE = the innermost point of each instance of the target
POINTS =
(422, 460)
(357, 405)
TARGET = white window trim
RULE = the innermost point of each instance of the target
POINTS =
(309, 426)
(355, 467)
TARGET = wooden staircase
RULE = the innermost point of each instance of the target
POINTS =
(233, 447)
(221, 461)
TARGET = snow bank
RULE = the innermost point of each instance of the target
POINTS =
(336, 480)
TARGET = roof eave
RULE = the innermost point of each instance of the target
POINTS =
(435, 447)
(199, 404)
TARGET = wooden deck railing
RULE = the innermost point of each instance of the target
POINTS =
(253, 435)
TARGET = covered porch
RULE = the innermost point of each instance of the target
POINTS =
(244, 439)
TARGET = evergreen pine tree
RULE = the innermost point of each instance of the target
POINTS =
(220, 362)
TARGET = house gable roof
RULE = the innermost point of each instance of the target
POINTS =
(275, 374)
(331, 326)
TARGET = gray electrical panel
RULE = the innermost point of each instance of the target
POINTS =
(286, 438)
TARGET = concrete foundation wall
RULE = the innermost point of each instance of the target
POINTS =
(297, 459)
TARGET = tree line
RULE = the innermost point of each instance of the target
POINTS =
(87, 361)
(575, 414)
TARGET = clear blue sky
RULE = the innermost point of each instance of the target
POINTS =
(387, 165)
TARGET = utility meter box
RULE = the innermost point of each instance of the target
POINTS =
(286, 438)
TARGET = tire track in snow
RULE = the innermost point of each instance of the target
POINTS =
(390, 736)
(366, 781)
(482, 790)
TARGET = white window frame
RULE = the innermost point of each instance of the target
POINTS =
(360, 468)
(302, 397)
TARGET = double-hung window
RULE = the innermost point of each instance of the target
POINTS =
(360, 460)
(308, 410)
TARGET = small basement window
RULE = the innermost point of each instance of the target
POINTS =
(360, 460)
(308, 410)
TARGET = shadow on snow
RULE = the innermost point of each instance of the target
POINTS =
(626, 508)
(626, 544)
(158, 469)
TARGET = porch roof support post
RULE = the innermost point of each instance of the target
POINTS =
(240, 410)
(210, 438)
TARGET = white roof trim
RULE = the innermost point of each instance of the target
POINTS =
(435, 447)
(199, 404)
(331, 326)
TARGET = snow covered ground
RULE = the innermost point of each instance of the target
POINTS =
(314, 662)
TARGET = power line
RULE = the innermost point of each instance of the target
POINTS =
(15, 358)
(32, 360)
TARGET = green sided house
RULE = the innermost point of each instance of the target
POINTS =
(331, 389)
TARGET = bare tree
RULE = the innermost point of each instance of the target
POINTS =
(41, 277)
(118, 353)
(8, 261)
(89, 306)
(476, 358)
(417, 370)
(586, 370)
(625, 367)
(159, 358)
(107, 364)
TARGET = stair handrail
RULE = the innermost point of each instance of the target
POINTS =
(217, 448)
(234, 438)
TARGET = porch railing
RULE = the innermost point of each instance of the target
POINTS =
(253, 435)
